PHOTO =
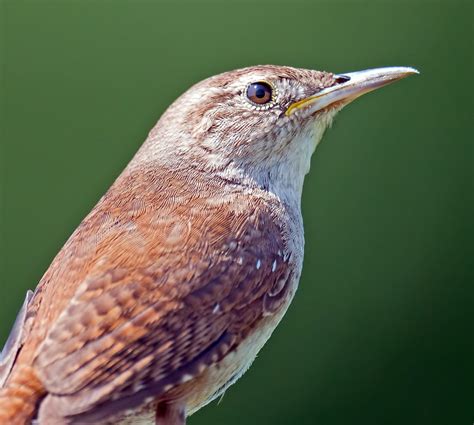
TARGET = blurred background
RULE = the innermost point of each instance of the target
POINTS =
(381, 329)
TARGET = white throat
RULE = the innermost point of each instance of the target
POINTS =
(285, 177)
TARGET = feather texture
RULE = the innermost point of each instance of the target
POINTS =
(160, 294)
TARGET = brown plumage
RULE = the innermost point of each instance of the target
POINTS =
(167, 290)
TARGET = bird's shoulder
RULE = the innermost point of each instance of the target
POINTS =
(171, 226)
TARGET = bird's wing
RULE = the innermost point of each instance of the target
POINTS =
(169, 295)
(14, 342)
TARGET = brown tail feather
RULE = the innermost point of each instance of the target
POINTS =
(20, 397)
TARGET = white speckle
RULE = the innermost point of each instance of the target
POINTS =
(186, 377)
(240, 260)
(279, 253)
(216, 309)
(138, 387)
(274, 265)
(259, 263)
(232, 245)
(167, 387)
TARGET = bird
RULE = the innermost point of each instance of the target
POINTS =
(167, 290)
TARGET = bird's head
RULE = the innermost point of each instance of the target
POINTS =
(260, 123)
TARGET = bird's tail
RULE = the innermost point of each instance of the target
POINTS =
(20, 396)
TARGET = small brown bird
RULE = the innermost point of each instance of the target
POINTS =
(165, 293)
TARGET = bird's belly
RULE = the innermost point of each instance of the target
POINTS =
(213, 382)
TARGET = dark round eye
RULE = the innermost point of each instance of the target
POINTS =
(259, 93)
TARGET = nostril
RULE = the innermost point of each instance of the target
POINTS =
(342, 79)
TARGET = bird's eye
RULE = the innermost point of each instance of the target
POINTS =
(259, 93)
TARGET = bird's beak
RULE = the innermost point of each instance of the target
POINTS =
(350, 86)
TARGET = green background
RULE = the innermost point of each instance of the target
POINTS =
(381, 329)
